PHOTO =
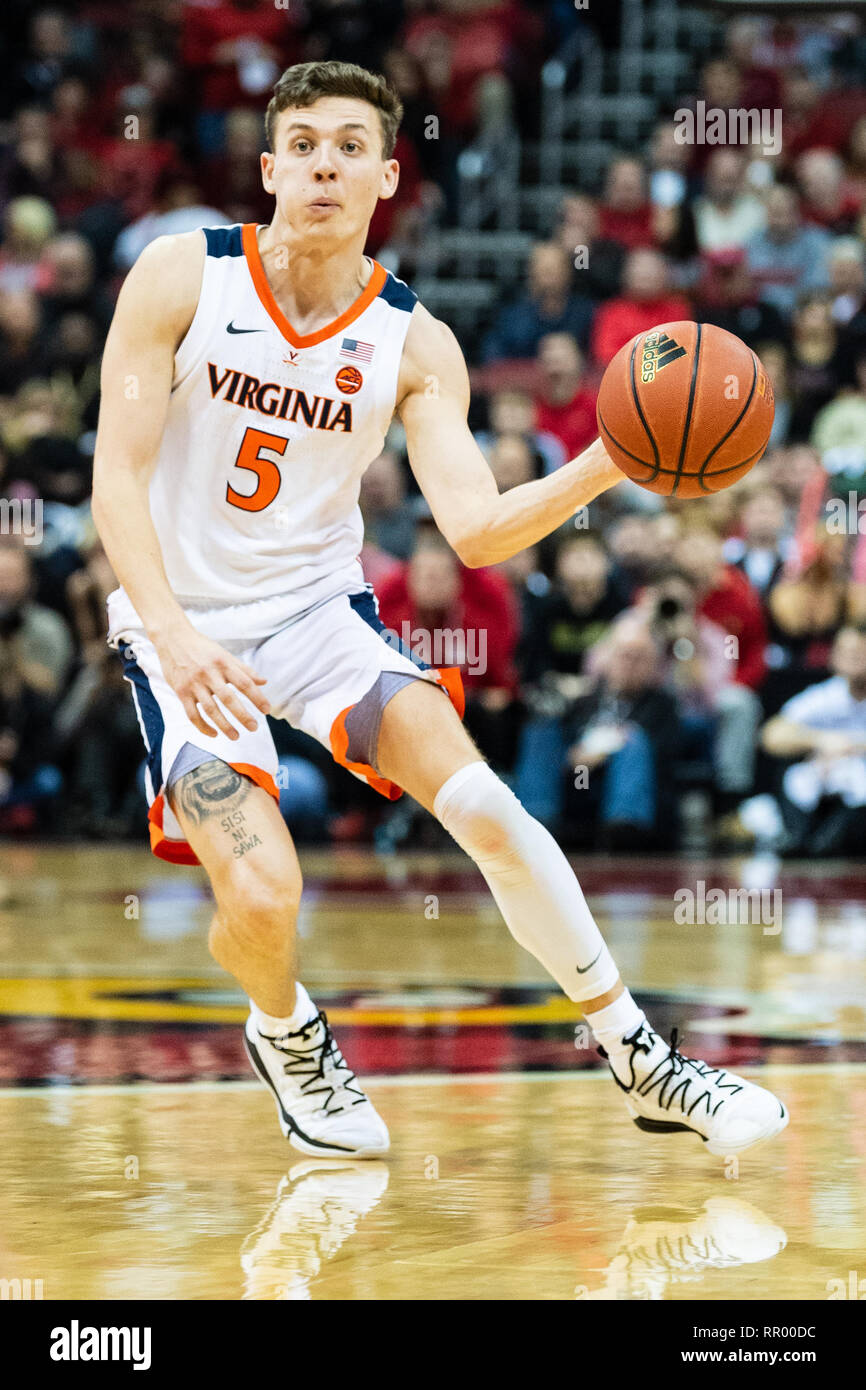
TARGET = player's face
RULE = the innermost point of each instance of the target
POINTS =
(327, 172)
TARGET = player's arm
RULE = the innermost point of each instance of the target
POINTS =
(482, 525)
(154, 310)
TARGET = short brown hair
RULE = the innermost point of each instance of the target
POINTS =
(304, 83)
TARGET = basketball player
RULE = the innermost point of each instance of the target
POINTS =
(249, 378)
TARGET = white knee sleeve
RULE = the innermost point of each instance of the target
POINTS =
(530, 878)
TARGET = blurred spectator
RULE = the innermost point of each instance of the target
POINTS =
(855, 175)
(29, 780)
(549, 306)
(719, 715)
(822, 732)
(22, 355)
(583, 600)
(28, 225)
(793, 470)
(512, 461)
(816, 362)
(726, 295)
(787, 256)
(840, 427)
(725, 596)
(564, 404)
(812, 122)
(466, 49)
(764, 546)
(70, 283)
(30, 165)
(727, 214)
(846, 264)
(561, 627)
(232, 179)
(774, 358)
(622, 742)
(821, 175)
(626, 212)
(36, 639)
(640, 547)
(178, 208)
(645, 301)
(804, 612)
(669, 167)
(745, 44)
(673, 221)
(513, 412)
(598, 261)
(388, 521)
(134, 158)
(234, 50)
(50, 56)
(720, 87)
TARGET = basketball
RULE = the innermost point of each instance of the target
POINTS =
(685, 409)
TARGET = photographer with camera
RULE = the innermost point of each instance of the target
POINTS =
(623, 736)
(720, 716)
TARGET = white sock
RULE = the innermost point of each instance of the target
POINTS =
(615, 1022)
(271, 1027)
(530, 878)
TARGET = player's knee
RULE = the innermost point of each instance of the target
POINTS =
(484, 819)
(260, 900)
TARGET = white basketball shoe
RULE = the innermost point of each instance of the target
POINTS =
(665, 1092)
(321, 1107)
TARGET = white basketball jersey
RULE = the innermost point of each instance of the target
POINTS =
(254, 495)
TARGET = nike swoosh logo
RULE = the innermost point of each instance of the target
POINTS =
(230, 328)
(582, 970)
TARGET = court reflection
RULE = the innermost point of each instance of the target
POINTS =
(317, 1208)
(664, 1246)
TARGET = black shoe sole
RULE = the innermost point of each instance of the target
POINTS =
(664, 1127)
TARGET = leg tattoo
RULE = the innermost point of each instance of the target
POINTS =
(214, 791)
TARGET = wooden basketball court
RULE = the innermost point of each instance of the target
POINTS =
(141, 1160)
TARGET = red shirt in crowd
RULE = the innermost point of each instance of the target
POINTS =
(620, 319)
(629, 229)
(205, 27)
(733, 604)
(458, 49)
(573, 423)
(486, 608)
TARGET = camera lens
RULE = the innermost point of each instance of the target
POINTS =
(669, 608)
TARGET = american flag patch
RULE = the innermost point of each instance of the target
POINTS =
(353, 347)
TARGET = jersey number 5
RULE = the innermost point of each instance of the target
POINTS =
(266, 470)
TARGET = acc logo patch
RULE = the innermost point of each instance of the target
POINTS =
(349, 380)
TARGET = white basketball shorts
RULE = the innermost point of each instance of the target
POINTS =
(329, 672)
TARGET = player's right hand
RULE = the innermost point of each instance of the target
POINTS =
(201, 672)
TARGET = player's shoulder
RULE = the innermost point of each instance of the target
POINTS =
(431, 348)
(177, 255)
(162, 289)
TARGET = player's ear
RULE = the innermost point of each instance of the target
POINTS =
(390, 178)
(267, 162)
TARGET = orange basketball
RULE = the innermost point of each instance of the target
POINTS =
(685, 409)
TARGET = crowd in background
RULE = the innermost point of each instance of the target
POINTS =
(650, 650)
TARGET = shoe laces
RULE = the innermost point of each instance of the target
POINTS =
(320, 1069)
(677, 1077)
